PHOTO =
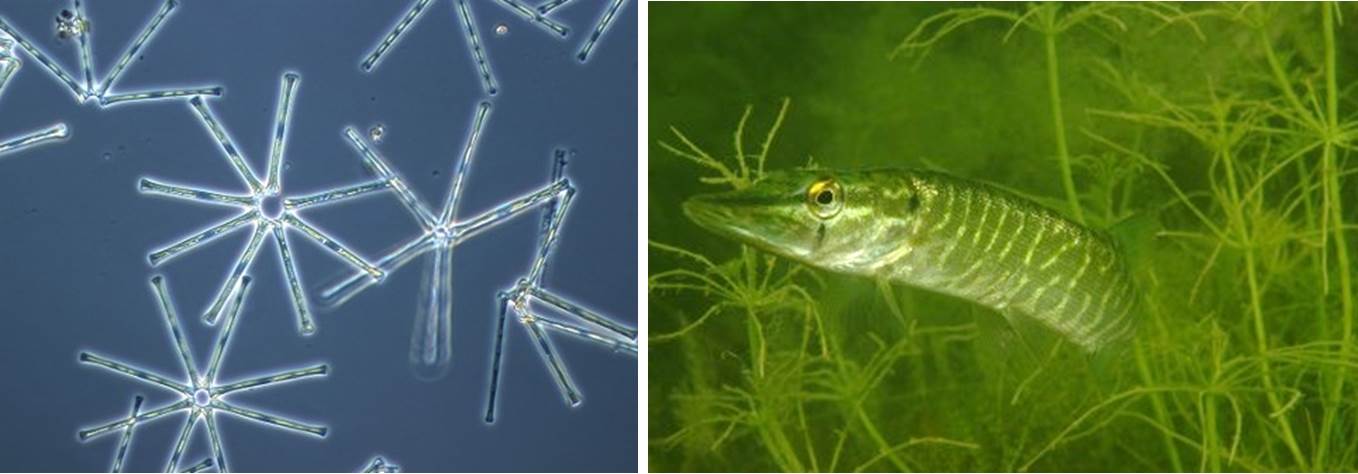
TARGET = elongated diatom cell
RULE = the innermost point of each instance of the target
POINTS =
(49, 134)
(604, 23)
(938, 232)
(477, 51)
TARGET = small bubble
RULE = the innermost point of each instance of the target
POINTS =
(108, 156)
(436, 172)
(501, 29)
(377, 132)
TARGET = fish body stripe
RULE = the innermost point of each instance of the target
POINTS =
(980, 226)
(999, 228)
(955, 243)
(1009, 245)
(1028, 257)
(1067, 277)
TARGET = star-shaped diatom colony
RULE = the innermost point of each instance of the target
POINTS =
(9, 65)
(78, 25)
(430, 352)
(200, 394)
(264, 208)
(441, 232)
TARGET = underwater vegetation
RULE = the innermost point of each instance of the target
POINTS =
(1212, 142)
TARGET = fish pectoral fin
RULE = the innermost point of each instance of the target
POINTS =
(1029, 341)
(889, 294)
(997, 343)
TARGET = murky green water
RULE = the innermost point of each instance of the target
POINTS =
(1214, 141)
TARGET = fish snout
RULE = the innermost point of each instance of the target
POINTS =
(706, 211)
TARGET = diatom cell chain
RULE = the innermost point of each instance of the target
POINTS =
(473, 41)
(264, 209)
(9, 65)
(100, 91)
(201, 396)
(588, 325)
(535, 15)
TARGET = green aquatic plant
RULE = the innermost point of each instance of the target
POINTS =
(753, 287)
(1252, 142)
(1216, 141)
(1049, 21)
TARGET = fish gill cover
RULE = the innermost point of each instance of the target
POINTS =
(1210, 141)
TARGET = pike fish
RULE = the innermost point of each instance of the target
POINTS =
(938, 232)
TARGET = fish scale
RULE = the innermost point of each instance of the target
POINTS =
(942, 233)
(1035, 272)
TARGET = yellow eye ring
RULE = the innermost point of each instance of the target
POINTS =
(825, 198)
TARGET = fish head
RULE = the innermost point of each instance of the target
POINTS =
(844, 221)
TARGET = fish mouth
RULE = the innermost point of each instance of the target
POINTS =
(738, 217)
(708, 213)
(714, 213)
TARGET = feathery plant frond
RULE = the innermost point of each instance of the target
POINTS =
(1048, 20)
(744, 173)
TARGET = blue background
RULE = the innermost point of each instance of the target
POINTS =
(74, 235)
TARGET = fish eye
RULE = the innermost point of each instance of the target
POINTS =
(825, 198)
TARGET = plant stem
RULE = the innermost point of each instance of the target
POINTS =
(876, 436)
(1059, 122)
(1210, 436)
(1158, 406)
(1340, 243)
(1236, 213)
(767, 423)
(1285, 427)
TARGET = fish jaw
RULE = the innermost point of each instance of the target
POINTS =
(764, 223)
